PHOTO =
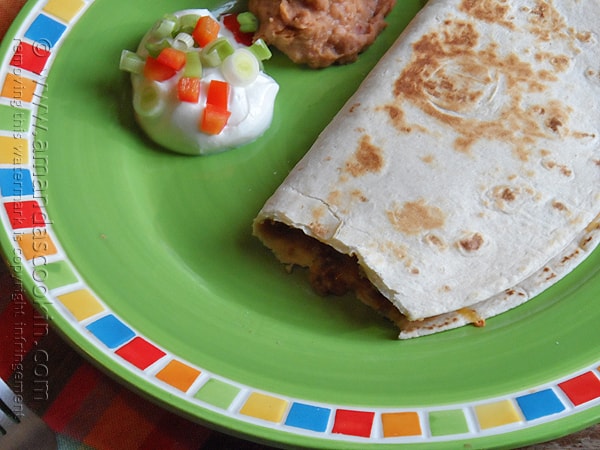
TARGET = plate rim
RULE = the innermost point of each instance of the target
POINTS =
(104, 350)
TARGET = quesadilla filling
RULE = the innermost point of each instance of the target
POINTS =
(332, 272)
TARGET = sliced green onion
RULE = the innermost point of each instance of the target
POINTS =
(215, 53)
(131, 62)
(163, 28)
(188, 22)
(241, 68)
(193, 65)
(183, 41)
(171, 17)
(211, 59)
(248, 22)
(155, 47)
(147, 100)
(260, 50)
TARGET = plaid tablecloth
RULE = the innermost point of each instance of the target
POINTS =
(86, 407)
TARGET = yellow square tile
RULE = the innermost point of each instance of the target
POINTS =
(14, 150)
(491, 415)
(265, 407)
(64, 9)
(82, 304)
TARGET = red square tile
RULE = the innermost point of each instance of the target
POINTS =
(140, 353)
(30, 57)
(25, 214)
(582, 389)
(353, 423)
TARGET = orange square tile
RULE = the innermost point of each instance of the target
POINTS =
(36, 244)
(18, 88)
(178, 375)
(397, 424)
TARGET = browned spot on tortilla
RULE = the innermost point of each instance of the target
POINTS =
(508, 195)
(436, 241)
(471, 243)
(555, 117)
(563, 169)
(334, 198)
(584, 36)
(547, 75)
(583, 135)
(493, 11)
(585, 241)
(354, 107)
(359, 195)
(367, 158)
(428, 159)
(594, 225)
(558, 62)
(546, 22)
(573, 255)
(452, 77)
(319, 230)
(318, 213)
(401, 253)
(396, 116)
(415, 217)
(559, 206)
(506, 198)
(511, 292)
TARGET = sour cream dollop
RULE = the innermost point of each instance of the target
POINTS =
(174, 124)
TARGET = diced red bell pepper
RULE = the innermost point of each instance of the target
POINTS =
(188, 89)
(205, 31)
(214, 119)
(231, 23)
(218, 94)
(157, 71)
(171, 57)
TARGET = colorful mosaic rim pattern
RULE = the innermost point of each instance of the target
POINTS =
(24, 69)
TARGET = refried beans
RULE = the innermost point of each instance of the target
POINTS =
(319, 33)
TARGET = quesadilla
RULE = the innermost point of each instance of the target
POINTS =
(463, 176)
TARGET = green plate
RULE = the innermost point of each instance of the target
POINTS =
(145, 261)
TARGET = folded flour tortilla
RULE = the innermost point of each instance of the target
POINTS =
(463, 176)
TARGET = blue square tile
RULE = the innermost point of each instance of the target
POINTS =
(308, 417)
(45, 31)
(15, 182)
(111, 331)
(540, 404)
